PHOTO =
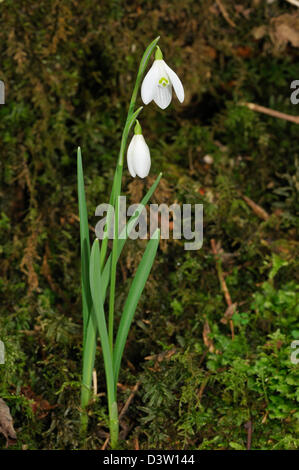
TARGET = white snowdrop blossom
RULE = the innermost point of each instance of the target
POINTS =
(158, 82)
(138, 155)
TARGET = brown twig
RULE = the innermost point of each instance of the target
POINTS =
(208, 342)
(202, 358)
(95, 382)
(105, 443)
(258, 210)
(223, 284)
(136, 443)
(225, 14)
(265, 417)
(248, 426)
(272, 112)
(127, 404)
(294, 2)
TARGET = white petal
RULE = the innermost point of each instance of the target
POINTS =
(150, 83)
(176, 83)
(163, 96)
(141, 157)
(130, 153)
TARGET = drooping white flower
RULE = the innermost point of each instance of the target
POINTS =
(138, 155)
(158, 82)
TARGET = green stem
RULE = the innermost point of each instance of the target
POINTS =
(131, 118)
(88, 363)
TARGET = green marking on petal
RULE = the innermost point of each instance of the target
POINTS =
(163, 81)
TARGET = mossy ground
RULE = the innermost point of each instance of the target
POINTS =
(69, 69)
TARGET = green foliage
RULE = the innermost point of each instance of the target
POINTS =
(248, 379)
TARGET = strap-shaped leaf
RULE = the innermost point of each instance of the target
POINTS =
(89, 324)
(135, 292)
(85, 245)
(97, 299)
(88, 364)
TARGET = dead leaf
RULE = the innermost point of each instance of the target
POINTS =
(6, 422)
(228, 313)
(244, 51)
(246, 12)
(39, 405)
(206, 337)
(282, 30)
(162, 356)
(259, 32)
(210, 52)
(286, 29)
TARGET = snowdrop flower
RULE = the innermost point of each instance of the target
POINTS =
(138, 155)
(158, 82)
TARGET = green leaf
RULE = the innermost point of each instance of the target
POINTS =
(97, 299)
(135, 292)
(85, 245)
(236, 446)
(89, 351)
(89, 325)
(98, 305)
(277, 264)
